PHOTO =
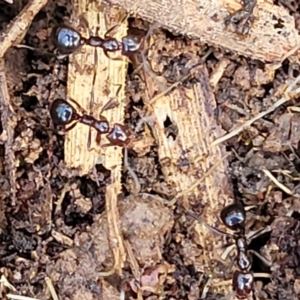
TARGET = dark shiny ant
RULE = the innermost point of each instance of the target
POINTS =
(67, 40)
(63, 113)
(233, 217)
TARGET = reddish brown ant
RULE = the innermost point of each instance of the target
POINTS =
(67, 40)
(63, 113)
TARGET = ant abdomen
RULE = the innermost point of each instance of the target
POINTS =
(66, 39)
(243, 284)
(61, 112)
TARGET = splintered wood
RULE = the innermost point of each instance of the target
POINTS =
(272, 35)
(12, 35)
(99, 80)
(191, 110)
(103, 78)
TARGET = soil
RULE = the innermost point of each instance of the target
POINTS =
(79, 223)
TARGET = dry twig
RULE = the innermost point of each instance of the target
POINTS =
(205, 20)
(280, 185)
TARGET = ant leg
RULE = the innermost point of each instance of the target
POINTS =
(252, 235)
(258, 275)
(89, 141)
(229, 248)
(70, 127)
(261, 257)
(80, 108)
(107, 34)
(98, 138)
(211, 228)
(120, 58)
(228, 269)
(108, 145)
(110, 104)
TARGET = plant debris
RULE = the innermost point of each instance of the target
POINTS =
(212, 122)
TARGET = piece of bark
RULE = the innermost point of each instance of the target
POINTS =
(197, 172)
(109, 77)
(272, 35)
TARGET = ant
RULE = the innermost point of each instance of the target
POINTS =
(67, 40)
(233, 217)
(63, 113)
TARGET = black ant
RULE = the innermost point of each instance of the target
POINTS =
(233, 217)
(63, 113)
(67, 40)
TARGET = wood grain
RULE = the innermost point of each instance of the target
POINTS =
(272, 35)
(108, 75)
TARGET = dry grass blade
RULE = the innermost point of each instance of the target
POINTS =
(8, 120)
(51, 288)
(18, 297)
(280, 185)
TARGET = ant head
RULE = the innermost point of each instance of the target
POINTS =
(62, 113)
(66, 39)
(233, 216)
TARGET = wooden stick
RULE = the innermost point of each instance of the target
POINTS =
(268, 40)
(17, 29)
